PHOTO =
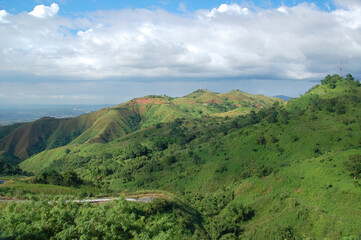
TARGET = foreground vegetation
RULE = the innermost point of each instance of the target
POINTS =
(288, 171)
(119, 219)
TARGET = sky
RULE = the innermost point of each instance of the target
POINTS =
(110, 51)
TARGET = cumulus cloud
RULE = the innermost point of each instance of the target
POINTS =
(41, 11)
(3, 15)
(230, 41)
(349, 14)
(282, 9)
(348, 3)
(229, 9)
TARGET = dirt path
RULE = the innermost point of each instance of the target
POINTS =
(144, 198)
(102, 200)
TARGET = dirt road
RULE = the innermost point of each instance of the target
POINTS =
(96, 200)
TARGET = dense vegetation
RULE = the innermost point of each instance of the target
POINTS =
(8, 164)
(7, 169)
(120, 219)
(288, 171)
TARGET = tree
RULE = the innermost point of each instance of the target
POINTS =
(170, 159)
(55, 178)
(70, 178)
(340, 108)
(283, 233)
(326, 80)
(7, 169)
(272, 117)
(350, 77)
(284, 116)
(160, 144)
(358, 84)
(137, 150)
(49, 177)
(330, 81)
(354, 165)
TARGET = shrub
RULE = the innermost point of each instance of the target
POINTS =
(353, 165)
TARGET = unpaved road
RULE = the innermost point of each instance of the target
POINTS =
(97, 200)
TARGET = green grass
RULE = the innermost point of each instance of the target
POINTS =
(21, 188)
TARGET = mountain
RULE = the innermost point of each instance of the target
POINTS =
(285, 172)
(25, 140)
(286, 98)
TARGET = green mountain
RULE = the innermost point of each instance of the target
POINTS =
(287, 171)
(25, 140)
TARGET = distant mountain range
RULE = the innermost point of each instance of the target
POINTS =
(10, 114)
(286, 98)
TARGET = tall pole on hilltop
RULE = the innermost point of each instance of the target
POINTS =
(341, 69)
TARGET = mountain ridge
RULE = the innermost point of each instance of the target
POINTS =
(109, 123)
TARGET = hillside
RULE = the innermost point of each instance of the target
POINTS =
(25, 140)
(283, 172)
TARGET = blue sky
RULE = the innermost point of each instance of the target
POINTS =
(95, 52)
(74, 6)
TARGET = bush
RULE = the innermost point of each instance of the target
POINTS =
(197, 159)
(340, 108)
(353, 165)
(284, 233)
(69, 178)
(261, 140)
(160, 144)
(170, 159)
(230, 221)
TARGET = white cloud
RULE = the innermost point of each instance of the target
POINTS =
(41, 11)
(230, 41)
(282, 9)
(348, 3)
(229, 9)
(57, 96)
(3, 15)
(350, 17)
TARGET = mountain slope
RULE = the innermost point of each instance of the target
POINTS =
(24, 140)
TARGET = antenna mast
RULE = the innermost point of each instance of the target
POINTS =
(341, 69)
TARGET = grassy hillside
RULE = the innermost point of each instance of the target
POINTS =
(284, 172)
(25, 140)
